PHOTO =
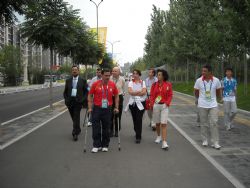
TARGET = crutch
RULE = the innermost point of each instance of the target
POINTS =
(86, 131)
(119, 138)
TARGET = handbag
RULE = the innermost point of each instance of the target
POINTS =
(148, 105)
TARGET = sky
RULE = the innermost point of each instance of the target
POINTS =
(127, 21)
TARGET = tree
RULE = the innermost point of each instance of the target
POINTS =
(10, 63)
(48, 23)
(138, 64)
(8, 9)
(107, 62)
(195, 32)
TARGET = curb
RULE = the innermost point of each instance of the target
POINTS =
(12, 91)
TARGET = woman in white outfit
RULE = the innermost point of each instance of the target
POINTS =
(136, 104)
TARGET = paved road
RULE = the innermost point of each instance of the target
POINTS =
(48, 158)
(17, 104)
(235, 152)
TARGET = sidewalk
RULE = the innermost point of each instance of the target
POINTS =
(234, 155)
(17, 89)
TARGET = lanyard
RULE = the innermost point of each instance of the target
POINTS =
(210, 86)
(160, 88)
(103, 92)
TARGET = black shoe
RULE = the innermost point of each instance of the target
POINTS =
(153, 128)
(138, 141)
(75, 137)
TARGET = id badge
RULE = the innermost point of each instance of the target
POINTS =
(104, 103)
(73, 92)
(158, 99)
(208, 95)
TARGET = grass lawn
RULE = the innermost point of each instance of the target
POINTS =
(243, 102)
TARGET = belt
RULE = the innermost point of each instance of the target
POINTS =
(161, 103)
(95, 106)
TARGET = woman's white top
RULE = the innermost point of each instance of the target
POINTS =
(136, 99)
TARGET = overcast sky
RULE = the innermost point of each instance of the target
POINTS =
(126, 20)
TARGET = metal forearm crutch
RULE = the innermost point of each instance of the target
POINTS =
(86, 130)
(119, 138)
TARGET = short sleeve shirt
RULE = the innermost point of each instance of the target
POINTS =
(204, 88)
(101, 91)
(138, 87)
(229, 89)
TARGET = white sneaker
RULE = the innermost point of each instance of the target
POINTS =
(164, 145)
(198, 125)
(95, 150)
(158, 140)
(89, 124)
(228, 128)
(216, 145)
(205, 143)
(105, 149)
(153, 125)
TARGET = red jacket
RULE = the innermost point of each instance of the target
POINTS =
(165, 91)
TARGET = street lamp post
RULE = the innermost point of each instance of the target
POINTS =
(97, 6)
(112, 46)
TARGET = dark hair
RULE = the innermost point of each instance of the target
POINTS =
(75, 66)
(208, 67)
(164, 74)
(105, 70)
(98, 69)
(229, 69)
(137, 71)
(152, 70)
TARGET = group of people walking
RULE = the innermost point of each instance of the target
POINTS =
(105, 97)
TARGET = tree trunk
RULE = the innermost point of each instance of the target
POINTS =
(175, 71)
(245, 73)
(86, 75)
(196, 70)
(222, 69)
(50, 82)
(187, 72)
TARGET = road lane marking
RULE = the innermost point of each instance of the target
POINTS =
(30, 131)
(9, 121)
(176, 104)
(219, 167)
(183, 115)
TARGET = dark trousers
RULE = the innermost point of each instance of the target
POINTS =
(137, 119)
(75, 110)
(100, 126)
(116, 117)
